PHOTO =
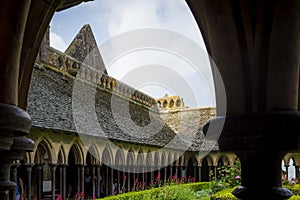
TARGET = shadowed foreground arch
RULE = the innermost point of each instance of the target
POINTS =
(260, 73)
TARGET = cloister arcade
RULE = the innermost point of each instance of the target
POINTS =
(60, 167)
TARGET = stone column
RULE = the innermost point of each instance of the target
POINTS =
(128, 180)
(106, 181)
(124, 179)
(14, 178)
(64, 180)
(266, 151)
(82, 178)
(287, 171)
(93, 181)
(134, 175)
(171, 171)
(111, 180)
(151, 174)
(53, 174)
(215, 172)
(143, 176)
(176, 172)
(297, 172)
(78, 178)
(29, 170)
(199, 171)
(210, 170)
(98, 181)
(40, 180)
(61, 179)
(119, 178)
(19, 147)
(195, 173)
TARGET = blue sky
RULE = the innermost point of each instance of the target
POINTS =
(112, 18)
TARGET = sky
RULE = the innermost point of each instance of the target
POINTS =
(152, 45)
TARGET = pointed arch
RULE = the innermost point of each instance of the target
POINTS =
(107, 157)
(156, 159)
(170, 159)
(92, 156)
(163, 159)
(222, 160)
(149, 159)
(208, 159)
(119, 158)
(61, 156)
(130, 157)
(76, 153)
(43, 151)
(140, 159)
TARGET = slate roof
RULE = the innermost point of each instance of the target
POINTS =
(61, 102)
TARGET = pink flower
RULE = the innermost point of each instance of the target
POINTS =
(158, 176)
(237, 177)
(59, 197)
(82, 194)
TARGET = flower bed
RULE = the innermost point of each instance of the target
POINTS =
(181, 191)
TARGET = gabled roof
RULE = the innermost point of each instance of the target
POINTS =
(84, 48)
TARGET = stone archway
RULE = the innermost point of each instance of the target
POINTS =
(75, 170)
(41, 172)
(205, 170)
(106, 173)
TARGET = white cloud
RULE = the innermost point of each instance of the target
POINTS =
(114, 17)
(127, 15)
(57, 42)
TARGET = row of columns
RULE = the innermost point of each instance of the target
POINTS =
(297, 173)
(108, 175)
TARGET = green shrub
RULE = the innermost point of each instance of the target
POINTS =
(203, 193)
(227, 177)
(224, 195)
(295, 197)
(171, 192)
(293, 188)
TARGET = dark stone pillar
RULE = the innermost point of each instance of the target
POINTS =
(53, 174)
(17, 121)
(62, 180)
(297, 171)
(199, 172)
(119, 178)
(78, 178)
(128, 180)
(106, 181)
(143, 176)
(270, 188)
(215, 172)
(133, 175)
(171, 171)
(287, 171)
(93, 181)
(29, 170)
(98, 181)
(13, 178)
(278, 132)
(151, 174)
(82, 178)
(40, 180)
(195, 174)
(176, 172)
